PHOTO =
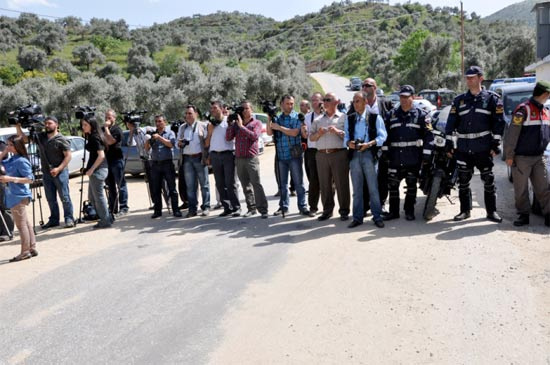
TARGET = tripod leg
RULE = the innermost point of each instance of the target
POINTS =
(6, 228)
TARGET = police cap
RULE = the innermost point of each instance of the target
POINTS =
(543, 87)
(406, 90)
(474, 71)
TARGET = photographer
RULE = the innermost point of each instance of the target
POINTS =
(96, 169)
(162, 167)
(222, 159)
(118, 191)
(286, 128)
(246, 131)
(55, 154)
(192, 137)
(18, 195)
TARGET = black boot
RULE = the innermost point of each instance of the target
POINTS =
(523, 220)
(394, 209)
(547, 220)
(494, 217)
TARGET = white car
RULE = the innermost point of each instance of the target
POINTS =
(266, 139)
(77, 154)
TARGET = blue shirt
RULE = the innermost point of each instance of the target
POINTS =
(17, 166)
(361, 130)
(284, 142)
(159, 152)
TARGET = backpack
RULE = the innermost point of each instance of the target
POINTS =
(88, 211)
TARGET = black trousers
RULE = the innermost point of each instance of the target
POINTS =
(163, 171)
(395, 175)
(483, 161)
(314, 190)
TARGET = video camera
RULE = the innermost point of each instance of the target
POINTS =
(29, 116)
(209, 118)
(237, 110)
(134, 117)
(84, 112)
(269, 108)
(175, 126)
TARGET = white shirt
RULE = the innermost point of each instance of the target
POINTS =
(308, 120)
(217, 141)
(192, 134)
(374, 108)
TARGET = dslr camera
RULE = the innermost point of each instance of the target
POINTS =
(134, 117)
(269, 108)
(237, 110)
(84, 112)
(29, 116)
(357, 143)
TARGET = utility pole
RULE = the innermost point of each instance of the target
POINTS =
(462, 39)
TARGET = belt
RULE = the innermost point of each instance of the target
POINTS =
(194, 155)
(473, 135)
(329, 150)
(226, 151)
(417, 143)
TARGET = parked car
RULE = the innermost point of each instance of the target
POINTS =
(355, 83)
(439, 118)
(439, 97)
(262, 117)
(422, 104)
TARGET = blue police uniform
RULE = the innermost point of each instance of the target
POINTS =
(477, 123)
(410, 142)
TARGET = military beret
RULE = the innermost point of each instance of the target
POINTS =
(406, 90)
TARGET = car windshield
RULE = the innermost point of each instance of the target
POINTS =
(512, 100)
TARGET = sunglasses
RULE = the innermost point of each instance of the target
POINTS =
(367, 85)
(328, 100)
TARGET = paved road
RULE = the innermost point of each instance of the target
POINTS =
(251, 291)
(336, 84)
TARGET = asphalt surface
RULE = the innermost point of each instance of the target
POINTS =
(174, 290)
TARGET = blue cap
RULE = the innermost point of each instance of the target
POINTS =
(406, 90)
(474, 71)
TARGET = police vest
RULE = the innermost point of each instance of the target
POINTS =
(405, 137)
(535, 130)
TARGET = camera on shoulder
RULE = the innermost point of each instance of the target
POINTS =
(269, 108)
(84, 111)
(29, 117)
(134, 117)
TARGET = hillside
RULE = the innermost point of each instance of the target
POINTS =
(236, 55)
(520, 11)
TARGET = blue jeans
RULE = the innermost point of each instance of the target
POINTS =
(96, 194)
(196, 173)
(294, 166)
(118, 191)
(362, 167)
(52, 187)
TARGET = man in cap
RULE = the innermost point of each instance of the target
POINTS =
(526, 139)
(476, 118)
(55, 154)
(410, 144)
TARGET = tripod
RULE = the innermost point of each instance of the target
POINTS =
(82, 170)
(36, 185)
(278, 169)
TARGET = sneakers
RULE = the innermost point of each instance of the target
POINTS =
(236, 213)
(102, 225)
(69, 224)
(250, 213)
(205, 213)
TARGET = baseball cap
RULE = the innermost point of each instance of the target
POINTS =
(406, 90)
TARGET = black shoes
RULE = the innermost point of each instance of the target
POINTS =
(390, 216)
(354, 224)
(379, 223)
(177, 214)
(324, 217)
(156, 215)
(225, 213)
(307, 213)
(547, 220)
(264, 215)
(280, 211)
(462, 216)
(101, 225)
(191, 214)
(50, 225)
(236, 213)
(344, 218)
(410, 216)
(494, 217)
(523, 220)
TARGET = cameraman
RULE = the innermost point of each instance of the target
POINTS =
(222, 159)
(162, 166)
(192, 141)
(118, 191)
(55, 154)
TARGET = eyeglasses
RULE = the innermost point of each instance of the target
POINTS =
(328, 100)
(367, 85)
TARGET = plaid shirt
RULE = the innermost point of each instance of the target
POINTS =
(283, 141)
(246, 138)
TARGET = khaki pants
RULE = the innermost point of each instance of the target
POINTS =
(532, 168)
(334, 168)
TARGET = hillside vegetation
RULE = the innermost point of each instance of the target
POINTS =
(232, 56)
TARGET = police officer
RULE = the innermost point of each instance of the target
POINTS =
(410, 144)
(526, 139)
(476, 117)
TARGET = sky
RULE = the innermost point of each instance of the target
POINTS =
(138, 13)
